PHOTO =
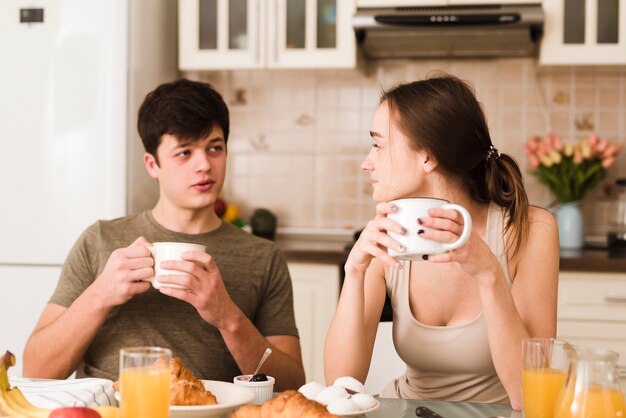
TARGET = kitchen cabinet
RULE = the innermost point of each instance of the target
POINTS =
(592, 312)
(584, 32)
(315, 294)
(244, 34)
(429, 3)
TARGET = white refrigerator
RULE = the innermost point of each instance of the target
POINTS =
(68, 98)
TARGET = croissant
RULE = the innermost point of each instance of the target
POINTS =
(185, 388)
(288, 404)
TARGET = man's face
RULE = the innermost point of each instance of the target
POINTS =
(190, 174)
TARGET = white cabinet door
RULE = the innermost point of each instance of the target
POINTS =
(592, 312)
(238, 34)
(25, 292)
(221, 34)
(584, 32)
(315, 294)
(311, 34)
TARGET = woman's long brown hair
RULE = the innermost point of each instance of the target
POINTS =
(442, 116)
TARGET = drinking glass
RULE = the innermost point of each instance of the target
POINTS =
(145, 382)
(544, 371)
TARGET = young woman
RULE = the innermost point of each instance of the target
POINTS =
(459, 317)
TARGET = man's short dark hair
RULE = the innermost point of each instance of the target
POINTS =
(185, 109)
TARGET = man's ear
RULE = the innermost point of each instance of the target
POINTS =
(429, 164)
(151, 165)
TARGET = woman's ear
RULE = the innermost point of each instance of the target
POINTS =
(429, 164)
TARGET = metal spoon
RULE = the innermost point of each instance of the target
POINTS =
(266, 354)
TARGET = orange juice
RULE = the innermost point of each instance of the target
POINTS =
(540, 388)
(145, 392)
(594, 402)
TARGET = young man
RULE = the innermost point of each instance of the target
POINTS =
(239, 299)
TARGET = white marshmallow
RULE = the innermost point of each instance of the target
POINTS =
(342, 406)
(363, 400)
(331, 393)
(311, 390)
(350, 383)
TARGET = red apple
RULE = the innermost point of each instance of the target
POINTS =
(220, 207)
(74, 412)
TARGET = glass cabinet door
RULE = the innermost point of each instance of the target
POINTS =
(584, 32)
(221, 34)
(311, 34)
(236, 34)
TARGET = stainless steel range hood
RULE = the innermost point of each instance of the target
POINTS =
(449, 31)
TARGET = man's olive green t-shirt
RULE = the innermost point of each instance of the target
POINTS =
(254, 273)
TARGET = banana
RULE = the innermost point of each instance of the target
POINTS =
(12, 400)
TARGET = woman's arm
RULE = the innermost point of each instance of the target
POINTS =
(350, 339)
(528, 308)
(352, 332)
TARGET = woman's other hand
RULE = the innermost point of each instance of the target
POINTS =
(374, 240)
(446, 225)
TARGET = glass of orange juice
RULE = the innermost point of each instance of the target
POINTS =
(145, 382)
(544, 371)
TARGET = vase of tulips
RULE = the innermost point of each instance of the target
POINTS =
(570, 171)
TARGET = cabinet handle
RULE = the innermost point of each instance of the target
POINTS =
(615, 299)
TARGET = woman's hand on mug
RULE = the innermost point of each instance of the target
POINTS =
(446, 225)
(374, 241)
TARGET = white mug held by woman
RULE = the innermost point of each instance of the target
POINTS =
(409, 210)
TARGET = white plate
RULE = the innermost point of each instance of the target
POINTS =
(229, 397)
(362, 411)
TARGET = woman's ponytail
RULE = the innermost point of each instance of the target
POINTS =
(500, 180)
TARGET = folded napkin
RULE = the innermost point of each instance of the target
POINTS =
(50, 394)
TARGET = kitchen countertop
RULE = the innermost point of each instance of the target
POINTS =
(334, 252)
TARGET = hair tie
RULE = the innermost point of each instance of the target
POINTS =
(492, 153)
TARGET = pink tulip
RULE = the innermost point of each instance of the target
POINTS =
(557, 143)
(612, 150)
(533, 160)
(608, 152)
(533, 143)
(593, 139)
(601, 145)
(578, 157)
(607, 162)
(543, 149)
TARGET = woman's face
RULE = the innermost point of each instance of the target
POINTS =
(395, 170)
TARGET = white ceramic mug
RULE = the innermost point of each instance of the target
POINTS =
(165, 251)
(409, 210)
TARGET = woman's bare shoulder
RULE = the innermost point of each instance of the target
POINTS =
(540, 218)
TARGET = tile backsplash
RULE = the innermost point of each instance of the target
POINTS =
(298, 137)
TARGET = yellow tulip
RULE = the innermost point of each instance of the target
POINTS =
(546, 160)
(568, 150)
(585, 150)
(555, 156)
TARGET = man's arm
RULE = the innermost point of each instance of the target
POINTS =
(61, 338)
(62, 335)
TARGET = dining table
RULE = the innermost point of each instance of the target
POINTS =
(403, 408)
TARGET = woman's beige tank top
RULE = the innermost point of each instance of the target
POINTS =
(445, 362)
